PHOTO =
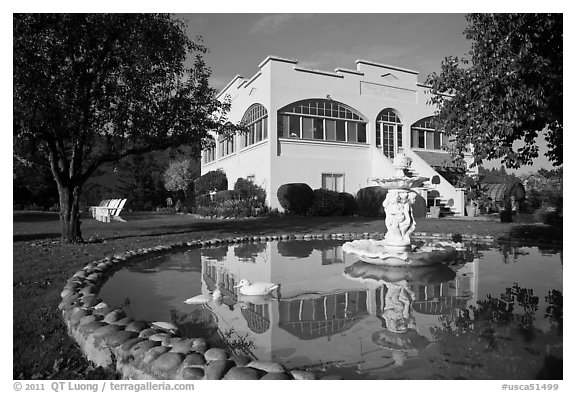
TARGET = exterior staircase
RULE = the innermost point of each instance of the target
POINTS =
(449, 198)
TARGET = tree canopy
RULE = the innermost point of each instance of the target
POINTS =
(94, 88)
(506, 91)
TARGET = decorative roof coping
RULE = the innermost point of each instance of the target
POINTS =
(229, 84)
(346, 70)
(320, 72)
(256, 75)
(386, 66)
(276, 58)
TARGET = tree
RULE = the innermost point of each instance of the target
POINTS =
(94, 88)
(179, 176)
(506, 92)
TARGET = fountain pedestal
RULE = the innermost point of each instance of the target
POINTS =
(396, 249)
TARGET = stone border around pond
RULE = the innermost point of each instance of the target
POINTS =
(143, 350)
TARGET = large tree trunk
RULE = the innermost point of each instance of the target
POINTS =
(70, 213)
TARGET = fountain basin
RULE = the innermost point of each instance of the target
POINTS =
(401, 182)
(379, 253)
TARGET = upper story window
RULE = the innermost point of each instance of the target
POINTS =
(209, 154)
(321, 119)
(226, 145)
(256, 121)
(425, 136)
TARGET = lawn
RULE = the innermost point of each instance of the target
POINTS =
(41, 266)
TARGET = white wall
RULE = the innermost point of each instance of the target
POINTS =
(369, 89)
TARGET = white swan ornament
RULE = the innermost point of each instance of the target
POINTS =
(256, 289)
(203, 299)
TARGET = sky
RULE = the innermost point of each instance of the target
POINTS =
(237, 43)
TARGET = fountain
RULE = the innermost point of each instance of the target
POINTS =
(397, 249)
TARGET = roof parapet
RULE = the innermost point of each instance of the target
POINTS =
(371, 63)
(228, 85)
(346, 70)
(276, 58)
(319, 72)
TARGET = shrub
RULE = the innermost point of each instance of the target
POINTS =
(548, 215)
(369, 201)
(295, 198)
(222, 196)
(332, 203)
(350, 207)
(211, 181)
(248, 190)
(166, 210)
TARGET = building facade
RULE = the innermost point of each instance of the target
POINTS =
(335, 130)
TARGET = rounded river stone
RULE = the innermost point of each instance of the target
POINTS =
(159, 337)
(77, 314)
(215, 370)
(117, 338)
(105, 331)
(167, 362)
(128, 344)
(147, 332)
(194, 359)
(199, 345)
(215, 354)
(242, 373)
(153, 353)
(114, 316)
(141, 348)
(136, 326)
(90, 327)
(193, 373)
(183, 347)
(269, 367)
(123, 322)
(275, 376)
(240, 360)
(87, 319)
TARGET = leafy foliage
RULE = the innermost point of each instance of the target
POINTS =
(94, 88)
(332, 203)
(295, 198)
(210, 182)
(369, 201)
(179, 176)
(544, 189)
(507, 91)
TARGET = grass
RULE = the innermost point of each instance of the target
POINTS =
(41, 266)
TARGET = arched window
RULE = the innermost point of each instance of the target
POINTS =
(256, 121)
(425, 136)
(321, 119)
(209, 153)
(389, 132)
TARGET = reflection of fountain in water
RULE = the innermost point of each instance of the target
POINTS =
(395, 298)
(397, 249)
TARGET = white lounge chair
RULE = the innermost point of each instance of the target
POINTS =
(110, 211)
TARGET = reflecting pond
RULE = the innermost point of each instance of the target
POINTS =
(491, 314)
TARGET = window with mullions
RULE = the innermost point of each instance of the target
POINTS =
(256, 121)
(209, 154)
(389, 132)
(425, 136)
(321, 119)
(226, 145)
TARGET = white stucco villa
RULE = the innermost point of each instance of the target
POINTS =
(335, 130)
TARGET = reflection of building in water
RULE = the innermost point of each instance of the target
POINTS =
(257, 316)
(322, 316)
